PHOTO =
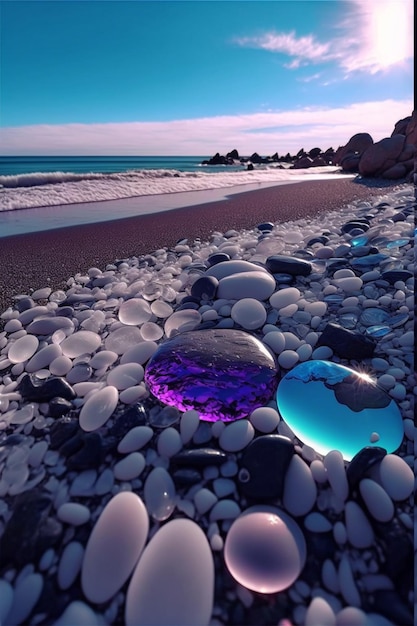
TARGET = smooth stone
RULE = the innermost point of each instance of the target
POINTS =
(43, 358)
(224, 374)
(123, 338)
(362, 462)
(130, 467)
(73, 513)
(265, 226)
(173, 582)
(396, 477)
(79, 613)
(265, 419)
(23, 349)
(300, 491)
(248, 313)
(217, 257)
(114, 547)
(98, 408)
(236, 436)
(320, 612)
(26, 594)
(254, 284)
(6, 599)
(81, 342)
(284, 297)
(205, 288)
(346, 343)
(332, 407)
(393, 275)
(263, 466)
(336, 474)
(60, 366)
(135, 439)
(278, 264)
(70, 564)
(229, 268)
(103, 359)
(265, 550)
(372, 316)
(376, 499)
(159, 494)
(199, 457)
(36, 390)
(188, 425)
(48, 325)
(358, 529)
(349, 284)
(169, 442)
(81, 372)
(125, 375)
(316, 523)
(181, 321)
(134, 312)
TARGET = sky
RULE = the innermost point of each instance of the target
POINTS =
(196, 77)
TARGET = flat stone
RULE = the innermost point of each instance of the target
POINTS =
(346, 343)
(224, 374)
(278, 264)
(332, 407)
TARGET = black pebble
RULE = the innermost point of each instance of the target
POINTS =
(265, 227)
(199, 457)
(62, 430)
(278, 264)
(346, 343)
(263, 467)
(43, 391)
(393, 275)
(59, 407)
(205, 288)
(186, 477)
(362, 462)
(217, 257)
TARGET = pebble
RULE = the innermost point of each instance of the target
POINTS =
(23, 349)
(111, 555)
(336, 474)
(130, 467)
(258, 285)
(376, 499)
(300, 490)
(73, 513)
(79, 613)
(264, 419)
(358, 529)
(177, 559)
(248, 313)
(70, 564)
(236, 436)
(98, 408)
(26, 594)
(396, 477)
(135, 439)
(159, 494)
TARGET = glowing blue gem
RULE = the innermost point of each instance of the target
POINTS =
(332, 407)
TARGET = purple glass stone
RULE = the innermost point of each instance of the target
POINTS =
(224, 374)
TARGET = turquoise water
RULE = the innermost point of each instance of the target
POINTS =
(15, 165)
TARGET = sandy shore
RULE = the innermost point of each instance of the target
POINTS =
(49, 258)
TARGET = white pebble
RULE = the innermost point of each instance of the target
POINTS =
(126, 375)
(43, 358)
(320, 613)
(130, 467)
(188, 425)
(236, 436)
(60, 366)
(300, 490)
(258, 285)
(204, 500)
(135, 439)
(349, 285)
(23, 349)
(275, 340)
(396, 477)
(139, 353)
(358, 529)
(352, 616)
(377, 501)
(288, 358)
(336, 474)
(284, 297)
(169, 442)
(114, 547)
(225, 510)
(249, 313)
(98, 408)
(81, 342)
(265, 419)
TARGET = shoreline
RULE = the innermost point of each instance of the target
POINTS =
(49, 258)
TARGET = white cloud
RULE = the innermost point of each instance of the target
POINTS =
(373, 36)
(282, 131)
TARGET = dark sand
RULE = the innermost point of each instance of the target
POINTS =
(49, 258)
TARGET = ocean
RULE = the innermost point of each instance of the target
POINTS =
(42, 193)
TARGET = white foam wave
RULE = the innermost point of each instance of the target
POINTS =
(57, 188)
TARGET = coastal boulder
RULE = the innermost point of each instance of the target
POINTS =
(400, 127)
(355, 147)
(302, 163)
(411, 130)
(234, 154)
(381, 156)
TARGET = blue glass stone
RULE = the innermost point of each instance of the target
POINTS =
(397, 320)
(373, 316)
(368, 261)
(224, 374)
(332, 407)
(397, 243)
(334, 298)
(348, 320)
(378, 330)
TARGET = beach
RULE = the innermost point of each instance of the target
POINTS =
(49, 258)
(228, 409)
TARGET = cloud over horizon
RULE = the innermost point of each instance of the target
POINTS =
(265, 133)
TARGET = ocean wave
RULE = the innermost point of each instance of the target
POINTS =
(41, 189)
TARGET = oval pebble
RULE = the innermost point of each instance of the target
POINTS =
(6, 599)
(265, 419)
(26, 594)
(347, 584)
(156, 596)
(236, 436)
(125, 376)
(23, 349)
(60, 366)
(79, 613)
(123, 338)
(257, 284)
(159, 494)
(189, 423)
(81, 342)
(284, 297)
(134, 312)
(249, 313)
(204, 500)
(181, 321)
(316, 522)
(336, 474)
(130, 467)
(169, 442)
(265, 550)
(396, 477)
(275, 340)
(98, 408)
(70, 564)
(349, 284)
(135, 439)
(103, 359)
(288, 358)
(358, 529)
(73, 513)
(228, 268)
(110, 554)
(139, 353)
(43, 358)
(319, 612)
(300, 490)
(377, 501)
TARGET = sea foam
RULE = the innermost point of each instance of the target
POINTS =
(41, 189)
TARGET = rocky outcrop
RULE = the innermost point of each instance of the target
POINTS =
(391, 158)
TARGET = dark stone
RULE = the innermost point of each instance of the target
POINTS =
(224, 374)
(346, 343)
(62, 430)
(30, 531)
(205, 288)
(393, 275)
(59, 407)
(34, 390)
(397, 545)
(135, 415)
(323, 240)
(65, 311)
(265, 227)
(362, 462)
(25, 303)
(217, 257)
(89, 455)
(190, 299)
(13, 440)
(278, 264)
(234, 154)
(188, 305)
(388, 602)
(199, 457)
(263, 467)
(349, 226)
(186, 477)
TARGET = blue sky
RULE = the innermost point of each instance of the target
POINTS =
(201, 76)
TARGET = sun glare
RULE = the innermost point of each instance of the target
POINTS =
(391, 32)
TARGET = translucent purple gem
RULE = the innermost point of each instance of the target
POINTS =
(224, 374)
